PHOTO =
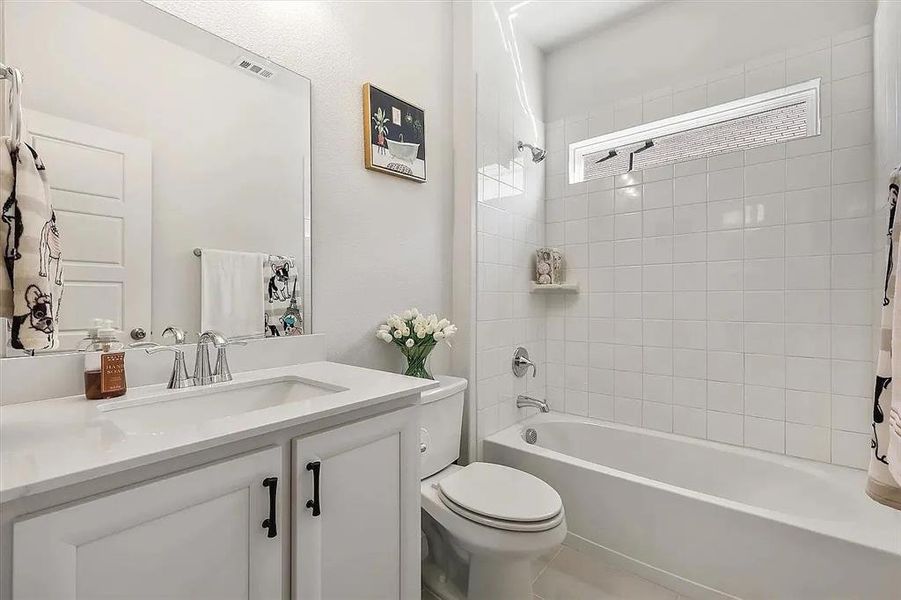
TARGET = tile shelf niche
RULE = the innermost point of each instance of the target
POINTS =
(555, 288)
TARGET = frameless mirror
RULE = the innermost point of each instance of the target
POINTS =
(162, 142)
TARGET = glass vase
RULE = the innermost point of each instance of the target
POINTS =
(417, 358)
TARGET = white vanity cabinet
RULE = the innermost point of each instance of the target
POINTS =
(209, 532)
(199, 534)
(356, 529)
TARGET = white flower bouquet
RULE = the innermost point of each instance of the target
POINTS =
(416, 335)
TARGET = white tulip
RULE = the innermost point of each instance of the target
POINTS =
(407, 315)
(439, 335)
(443, 323)
(384, 336)
(398, 334)
(410, 343)
(414, 311)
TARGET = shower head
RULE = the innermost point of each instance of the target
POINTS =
(538, 154)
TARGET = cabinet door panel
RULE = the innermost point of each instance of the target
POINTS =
(365, 542)
(194, 535)
(131, 561)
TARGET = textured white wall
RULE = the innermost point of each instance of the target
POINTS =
(681, 40)
(887, 90)
(380, 243)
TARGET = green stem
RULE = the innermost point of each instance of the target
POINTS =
(416, 358)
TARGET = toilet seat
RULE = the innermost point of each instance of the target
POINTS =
(524, 526)
(501, 497)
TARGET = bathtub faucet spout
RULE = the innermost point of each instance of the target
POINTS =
(524, 401)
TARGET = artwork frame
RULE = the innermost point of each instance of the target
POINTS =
(388, 123)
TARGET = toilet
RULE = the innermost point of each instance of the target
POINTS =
(482, 524)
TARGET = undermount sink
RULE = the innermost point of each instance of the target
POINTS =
(161, 410)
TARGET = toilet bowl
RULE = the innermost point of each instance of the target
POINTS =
(483, 524)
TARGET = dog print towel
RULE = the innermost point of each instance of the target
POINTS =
(283, 314)
(31, 283)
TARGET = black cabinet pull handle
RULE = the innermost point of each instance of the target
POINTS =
(269, 524)
(314, 503)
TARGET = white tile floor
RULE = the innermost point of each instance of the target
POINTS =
(567, 574)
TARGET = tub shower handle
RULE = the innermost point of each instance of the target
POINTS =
(522, 362)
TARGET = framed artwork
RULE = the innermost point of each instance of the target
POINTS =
(393, 135)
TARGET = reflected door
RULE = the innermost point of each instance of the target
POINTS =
(101, 190)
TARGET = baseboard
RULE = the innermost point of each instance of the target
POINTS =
(659, 576)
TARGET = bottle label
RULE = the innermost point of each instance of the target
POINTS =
(112, 372)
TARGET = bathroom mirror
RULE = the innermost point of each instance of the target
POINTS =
(161, 142)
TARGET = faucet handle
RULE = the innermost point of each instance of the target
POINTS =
(179, 376)
(521, 363)
(143, 345)
(155, 349)
(221, 371)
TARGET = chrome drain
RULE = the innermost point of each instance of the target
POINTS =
(530, 435)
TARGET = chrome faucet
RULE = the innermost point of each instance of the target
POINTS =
(522, 362)
(523, 401)
(179, 377)
(203, 374)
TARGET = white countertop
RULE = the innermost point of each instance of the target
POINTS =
(49, 444)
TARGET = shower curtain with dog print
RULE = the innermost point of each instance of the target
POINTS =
(884, 473)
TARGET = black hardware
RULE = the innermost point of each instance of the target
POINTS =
(647, 144)
(314, 503)
(269, 524)
(610, 155)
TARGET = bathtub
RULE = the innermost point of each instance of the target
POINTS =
(707, 519)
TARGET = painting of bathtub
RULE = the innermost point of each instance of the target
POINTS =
(393, 135)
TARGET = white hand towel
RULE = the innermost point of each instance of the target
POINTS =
(231, 292)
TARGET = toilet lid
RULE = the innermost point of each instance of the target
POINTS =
(519, 526)
(500, 492)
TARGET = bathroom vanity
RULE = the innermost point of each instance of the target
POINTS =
(295, 481)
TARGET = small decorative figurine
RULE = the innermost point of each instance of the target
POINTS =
(548, 266)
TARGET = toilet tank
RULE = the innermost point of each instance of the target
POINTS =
(441, 423)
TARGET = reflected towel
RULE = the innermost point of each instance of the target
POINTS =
(231, 292)
(884, 472)
(31, 279)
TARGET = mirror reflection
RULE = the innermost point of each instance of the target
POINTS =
(179, 174)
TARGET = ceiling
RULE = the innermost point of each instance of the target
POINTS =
(549, 24)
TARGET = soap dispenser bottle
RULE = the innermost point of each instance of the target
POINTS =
(104, 362)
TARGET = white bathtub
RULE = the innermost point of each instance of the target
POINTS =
(708, 519)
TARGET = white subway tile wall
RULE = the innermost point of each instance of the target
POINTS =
(729, 298)
(510, 225)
